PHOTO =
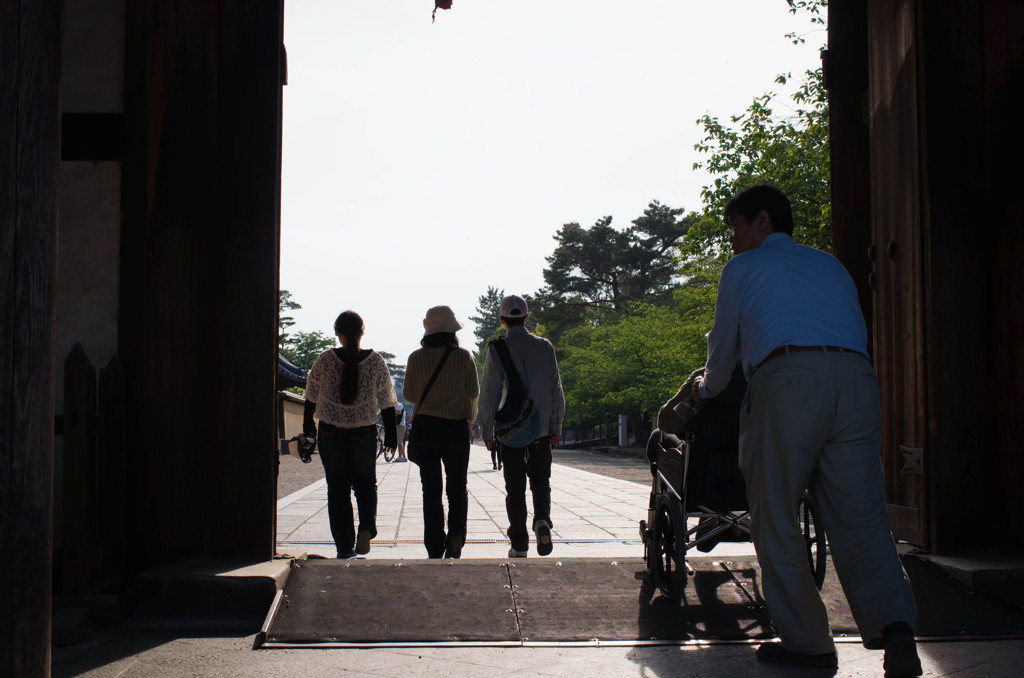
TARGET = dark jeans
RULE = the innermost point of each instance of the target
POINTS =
(442, 441)
(496, 456)
(520, 463)
(349, 456)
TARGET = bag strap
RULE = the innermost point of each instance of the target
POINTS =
(433, 377)
(506, 361)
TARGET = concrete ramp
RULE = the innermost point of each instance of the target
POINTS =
(509, 602)
(577, 601)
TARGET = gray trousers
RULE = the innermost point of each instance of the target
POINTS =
(812, 421)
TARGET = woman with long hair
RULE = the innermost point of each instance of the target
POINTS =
(442, 419)
(346, 389)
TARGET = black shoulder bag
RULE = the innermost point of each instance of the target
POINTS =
(516, 423)
(410, 446)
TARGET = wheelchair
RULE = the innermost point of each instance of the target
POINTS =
(688, 510)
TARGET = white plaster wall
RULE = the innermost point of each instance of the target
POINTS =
(89, 230)
(293, 417)
(90, 192)
(87, 281)
(88, 261)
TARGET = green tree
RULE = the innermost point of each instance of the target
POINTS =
(790, 151)
(618, 356)
(306, 346)
(481, 355)
(655, 236)
(285, 304)
(632, 366)
(595, 273)
(397, 371)
(488, 317)
(814, 11)
(587, 266)
(604, 268)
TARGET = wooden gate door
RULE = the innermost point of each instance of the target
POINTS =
(896, 253)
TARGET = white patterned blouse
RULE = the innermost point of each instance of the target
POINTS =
(374, 393)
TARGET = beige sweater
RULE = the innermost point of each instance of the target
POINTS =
(454, 394)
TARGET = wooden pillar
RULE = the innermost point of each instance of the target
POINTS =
(845, 65)
(30, 52)
(1003, 59)
(972, 70)
(199, 268)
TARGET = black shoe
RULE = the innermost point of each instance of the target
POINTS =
(704, 526)
(901, 660)
(543, 530)
(495, 467)
(453, 549)
(776, 654)
(363, 542)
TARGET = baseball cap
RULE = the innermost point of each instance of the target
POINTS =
(513, 306)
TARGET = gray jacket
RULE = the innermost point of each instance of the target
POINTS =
(534, 358)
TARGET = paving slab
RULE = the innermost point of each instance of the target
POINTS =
(593, 515)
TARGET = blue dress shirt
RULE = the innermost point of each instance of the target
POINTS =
(776, 295)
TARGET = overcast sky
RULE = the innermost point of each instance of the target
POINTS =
(423, 162)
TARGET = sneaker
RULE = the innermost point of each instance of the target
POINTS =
(514, 553)
(542, 528)
(363, 542)
(776, 654)
(901, 660)
(453, 549)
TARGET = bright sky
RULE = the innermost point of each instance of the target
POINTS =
(423, 162)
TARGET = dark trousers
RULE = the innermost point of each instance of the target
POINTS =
(496, 456)
(349, 456)
(520, 463)
(442, 441)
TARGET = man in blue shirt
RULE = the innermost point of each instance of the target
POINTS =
(811, 420)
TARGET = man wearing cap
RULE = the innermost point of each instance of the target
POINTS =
(811, 420)
(534, 359)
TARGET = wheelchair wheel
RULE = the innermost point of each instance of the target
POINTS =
(666, 552)
(814, 538)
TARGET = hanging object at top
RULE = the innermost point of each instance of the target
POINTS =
(440, 4)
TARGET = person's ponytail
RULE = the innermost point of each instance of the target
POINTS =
(350, 326)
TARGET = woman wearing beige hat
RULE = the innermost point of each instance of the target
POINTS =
(441, 383)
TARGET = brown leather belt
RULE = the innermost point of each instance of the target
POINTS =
(784, 350)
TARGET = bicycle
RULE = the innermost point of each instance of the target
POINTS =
(388, 452)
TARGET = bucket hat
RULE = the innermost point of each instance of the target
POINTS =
(441, 319)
